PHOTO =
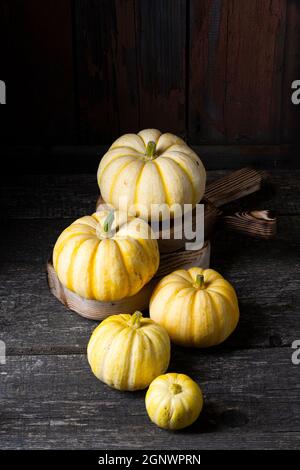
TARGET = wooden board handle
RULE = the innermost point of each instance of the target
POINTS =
(256, 223)
(234, 186)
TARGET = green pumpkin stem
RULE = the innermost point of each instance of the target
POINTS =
(175, 388)
(199, 283)
(135, 320)
(109, 221)
(150, 149)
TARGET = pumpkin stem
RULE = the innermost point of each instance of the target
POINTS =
(150, 149)
(135, 321)
(199, 283)
(175, 388)
(109, 221)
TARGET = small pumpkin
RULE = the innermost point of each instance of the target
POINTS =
(150, 168)
(128, 351)
(106, 256)
(173, 401)
(198, 307)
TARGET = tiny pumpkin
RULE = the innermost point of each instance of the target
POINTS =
(140, 170)
(106, 256)
(173, 401)
(198, 307)
(128, 351)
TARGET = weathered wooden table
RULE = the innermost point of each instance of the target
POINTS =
(50, 399)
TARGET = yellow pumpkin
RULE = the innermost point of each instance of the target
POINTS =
(173, 401)
(198, 307)
(150, 168)
(106, 256)
(128, 351)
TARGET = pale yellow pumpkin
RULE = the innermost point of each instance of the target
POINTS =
(128, 351)
(105, 258)
(198, 307)
(151, 168)
(173, 401)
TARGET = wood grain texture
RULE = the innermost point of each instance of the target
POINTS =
(106, 69)
(235, 89)
(290, 116)
(131, 67)
(161, 43)
(56, 402)
(126, 67)
(207, 71)
(255, 223)
(254, 70)
(95, 29)
(37, 64)
(234, 186)
(217, 71)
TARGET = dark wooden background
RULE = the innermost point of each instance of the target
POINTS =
(217, 72)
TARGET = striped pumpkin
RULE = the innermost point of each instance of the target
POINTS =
(102, 264)
(128, 351)
(150, 168)
(173, 401)
(198, 307)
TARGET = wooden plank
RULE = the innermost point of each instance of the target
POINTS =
(161, 44)
(207, 81)
(291, 113)
(264, 274)
(232, 187)
(49, 196)
(256, 32)
(106, 69)
(126, 67)
(69, 196)
(47, 435)
(95, 30)
(236, 57)
(252, 400)
(32, 319)
(37, 65)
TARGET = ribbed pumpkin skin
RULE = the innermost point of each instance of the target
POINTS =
(171, 410)
(105, 269)
(192, 316)
(128, 179)
(126, 357)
